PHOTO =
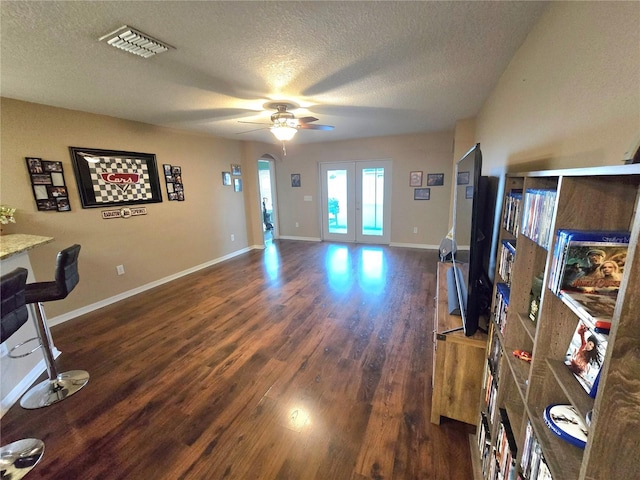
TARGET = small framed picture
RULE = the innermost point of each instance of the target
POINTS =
(57, 178)
(55, 192)
(422, 194)
(235, 170)
(415, 179)
(39, 179)
(48, 166)
(40, 192)
(435, 179)
(63, 204)
(295, 180)
(468, 191)
(226, 178)
(48, 204)
(34, 165)
(463, 178)
(237, 185)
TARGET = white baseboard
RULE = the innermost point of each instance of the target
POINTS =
(415, 245)
(306, 239)
(116, 298)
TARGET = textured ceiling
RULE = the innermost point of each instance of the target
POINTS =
(368, 68)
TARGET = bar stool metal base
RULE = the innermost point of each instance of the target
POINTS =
(49, 392)
(18, 458)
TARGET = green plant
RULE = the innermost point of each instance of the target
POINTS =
(6, 215)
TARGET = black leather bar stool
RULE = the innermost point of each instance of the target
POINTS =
(59, 385)
(17, 458)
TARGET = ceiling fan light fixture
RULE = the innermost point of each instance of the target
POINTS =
(283, 132)
(134, 41)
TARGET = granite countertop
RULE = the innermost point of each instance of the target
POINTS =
(17, 243)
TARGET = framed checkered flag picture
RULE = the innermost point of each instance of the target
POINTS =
(109, 178)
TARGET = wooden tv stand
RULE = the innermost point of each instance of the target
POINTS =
(458, 362)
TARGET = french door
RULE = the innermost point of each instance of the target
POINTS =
(356, 201)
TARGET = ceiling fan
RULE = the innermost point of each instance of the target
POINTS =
(284, 125)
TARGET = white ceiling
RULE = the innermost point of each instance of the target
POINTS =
(368, 68)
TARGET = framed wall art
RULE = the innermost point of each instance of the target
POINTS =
(435, 179)
(173, 178)
(226, 178)
(237, 184)
(235, 170)
(468, 191)
(463, 178)
(296, 180)
(421, 193)
(114, 177)
(48, 185)
(415, 179)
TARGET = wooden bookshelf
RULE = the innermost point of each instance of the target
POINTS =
(603, 198)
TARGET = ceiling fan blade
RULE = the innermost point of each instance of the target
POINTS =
(307, 119)
(254, 123)
(314, 126)
(254, 130)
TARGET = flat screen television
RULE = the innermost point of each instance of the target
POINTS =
(469, 285)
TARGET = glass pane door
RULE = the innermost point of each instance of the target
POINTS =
(354, 206)
(338, 201)
(373, 190)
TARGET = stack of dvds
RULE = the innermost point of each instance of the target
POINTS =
(512, 209)
(484, 443)
(537, 215)
(501, 306)
(506, 450)
(490, 392)
(586, 271)
(579, 258)
(532, 462)
(507, 257)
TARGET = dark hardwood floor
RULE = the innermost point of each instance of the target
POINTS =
(303, 361)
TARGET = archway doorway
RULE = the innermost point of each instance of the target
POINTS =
(268, 197)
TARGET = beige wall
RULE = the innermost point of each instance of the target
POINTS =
(571, 95)
(426, 152)
(172, 237)
(175, 237)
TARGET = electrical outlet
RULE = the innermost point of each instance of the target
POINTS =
(120, 269)
(415, 229)
(233, 237)
(297, 224)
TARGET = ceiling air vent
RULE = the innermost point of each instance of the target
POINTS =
(134, 41)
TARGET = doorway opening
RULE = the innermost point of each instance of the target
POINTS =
(267, 191)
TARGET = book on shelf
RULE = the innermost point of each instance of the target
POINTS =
(537, 215)
(507, 257)
(506, 449)
(535, 294)
(484, 443)
(512, 209)
(585, 356)
(596, 309)
(495, 354)
(533, 465)
(566, 423)
(501, 305)
(588, 261)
